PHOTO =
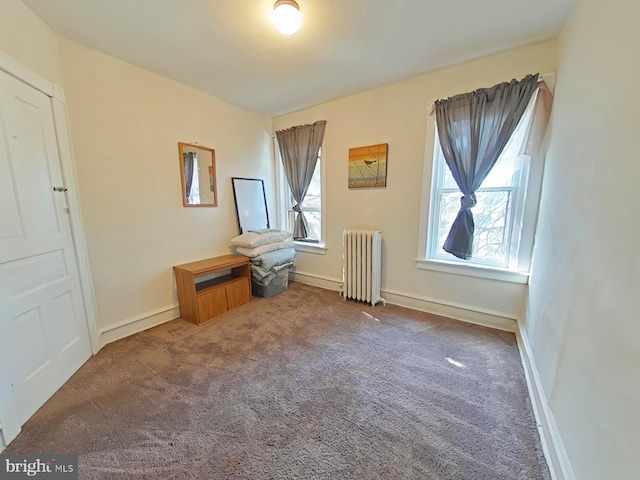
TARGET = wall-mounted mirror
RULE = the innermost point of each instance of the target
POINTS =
(251, 204)
(198, 170)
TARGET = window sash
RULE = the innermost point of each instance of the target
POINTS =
(287, 201)
(511, 192)
(513, 222)
(291, 217)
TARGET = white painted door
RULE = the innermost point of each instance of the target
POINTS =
(44, 337)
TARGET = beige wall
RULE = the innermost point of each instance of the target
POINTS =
(126, 125)
(397, 114)
(30, 41)
(582, 316)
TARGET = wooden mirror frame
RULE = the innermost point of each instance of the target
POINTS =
(212, 181)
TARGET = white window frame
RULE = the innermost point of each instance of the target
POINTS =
(513, 220)
(518, 269)
(283, 194)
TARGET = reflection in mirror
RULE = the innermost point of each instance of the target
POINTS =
(198, 169)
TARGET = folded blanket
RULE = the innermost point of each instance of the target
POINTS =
(255, 238)
(265, 277)
(270, 247)
(272, 259)
(258, 271)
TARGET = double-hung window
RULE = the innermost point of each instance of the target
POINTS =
(311, 205)
(504, 215)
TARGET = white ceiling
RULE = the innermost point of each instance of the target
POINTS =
(230, 48)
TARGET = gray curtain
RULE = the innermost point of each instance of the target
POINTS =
(299, 147)
(473, 129)
(189, 165)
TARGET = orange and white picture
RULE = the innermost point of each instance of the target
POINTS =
(368, 166)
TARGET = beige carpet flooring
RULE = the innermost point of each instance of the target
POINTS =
(300, 386)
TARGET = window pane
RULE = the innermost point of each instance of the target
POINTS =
(505, 171)
(503, 174)
(448, 181)
(449, 206)
(491, 217)
(314, 224)
(312, 199)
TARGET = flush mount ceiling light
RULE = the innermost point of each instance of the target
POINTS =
(286, 16)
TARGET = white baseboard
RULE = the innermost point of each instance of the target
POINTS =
(314, 280)
(550, 438)
(457, 311)
(138, 323)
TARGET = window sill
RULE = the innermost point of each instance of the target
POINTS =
(317, 248)
(491, 273)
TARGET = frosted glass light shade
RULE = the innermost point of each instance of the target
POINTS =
(287, 17)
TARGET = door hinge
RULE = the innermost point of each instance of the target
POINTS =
(67, 210)
(60, 189)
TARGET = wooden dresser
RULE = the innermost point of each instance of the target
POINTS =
(202, 301)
